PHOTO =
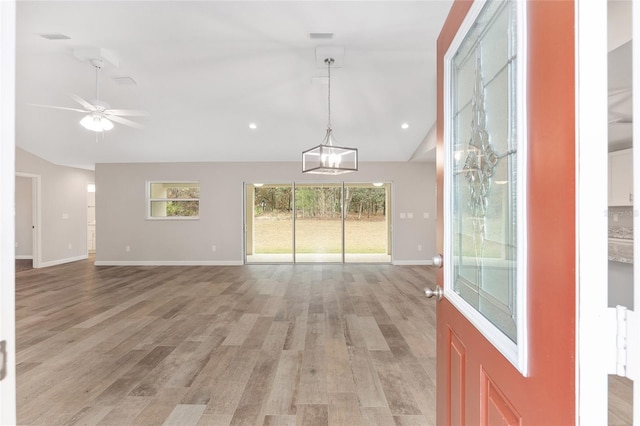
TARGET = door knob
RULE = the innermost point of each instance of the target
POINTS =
(430, 293)
(437, 260)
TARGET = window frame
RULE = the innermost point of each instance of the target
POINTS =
(150, 200)
(515, 352)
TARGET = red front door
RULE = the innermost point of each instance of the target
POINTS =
(477, 385)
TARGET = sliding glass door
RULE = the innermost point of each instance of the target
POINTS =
(318, 223)
(269, 223)
(367, 223)
(327, 223)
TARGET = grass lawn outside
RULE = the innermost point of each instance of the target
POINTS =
(275, 236)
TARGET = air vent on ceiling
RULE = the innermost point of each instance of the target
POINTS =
(55, 36)
(320, 36)
(125, 81)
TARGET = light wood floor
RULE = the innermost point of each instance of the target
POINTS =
(238, 345)
(252, 345)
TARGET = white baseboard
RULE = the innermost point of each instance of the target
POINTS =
(168, 262)
(412, 262)
(62, 261)
(24, 257)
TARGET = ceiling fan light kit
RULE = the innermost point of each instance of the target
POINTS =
(327, 158)
(96, 122)
(99, 117)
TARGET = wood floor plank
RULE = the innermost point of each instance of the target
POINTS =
(89, 416)
(228, 388)
(125, 412)
(313, 415)
(296, 334)
(160, 407)
(256, 391)
(368, 386)
(396, 390)
(339, 374)
(410, 421)
(276, 337)
(377, 416)
(241, 330)
(204, 387)
(312, 388)
(273, 420)
(373, 337)
(344, 410)
(185, 415)
(282, 397)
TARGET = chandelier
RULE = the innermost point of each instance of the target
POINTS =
(327, 158)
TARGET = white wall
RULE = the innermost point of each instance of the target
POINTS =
(63, 207)
(24, 237)
(121, 209)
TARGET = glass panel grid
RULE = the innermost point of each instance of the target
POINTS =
(173, 200)
(483, 182)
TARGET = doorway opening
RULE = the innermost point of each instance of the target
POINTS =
(27, 224)
(91, 218)
(317, 223)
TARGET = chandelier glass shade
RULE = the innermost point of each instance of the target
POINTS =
(327, 158)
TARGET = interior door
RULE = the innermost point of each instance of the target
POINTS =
(7, 220)
(506, 202)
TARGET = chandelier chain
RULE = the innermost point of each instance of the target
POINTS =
(329, 61)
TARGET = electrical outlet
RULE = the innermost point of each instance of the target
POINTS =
(409, 215)
(65, 216)
(17, 244)
(403, 215)
(426, 215)
(419, 247)
(214, 248)
(127, 248)
(69, 246)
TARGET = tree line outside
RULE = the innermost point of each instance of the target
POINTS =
(184, 204)
(321, 202)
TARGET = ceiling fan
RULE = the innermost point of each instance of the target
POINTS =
(620, 99)
(99, 115)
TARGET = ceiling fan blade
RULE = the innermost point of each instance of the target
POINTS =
(59, 107)
(619, 91)
(90, 107)
(124, 121)
(619, 118)
(127, 112)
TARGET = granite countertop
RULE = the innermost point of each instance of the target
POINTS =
(621, 244)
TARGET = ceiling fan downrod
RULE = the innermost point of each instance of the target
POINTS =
(97, 64)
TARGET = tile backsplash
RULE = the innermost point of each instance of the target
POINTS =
(621, 222)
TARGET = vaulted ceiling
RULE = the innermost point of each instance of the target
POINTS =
(205, 70)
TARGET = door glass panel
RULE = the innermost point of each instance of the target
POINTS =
(366, 223)
(483, 146)
(318, 226)
(269, 223)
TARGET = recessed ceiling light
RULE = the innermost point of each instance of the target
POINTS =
(405, 125)
(253, 126)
